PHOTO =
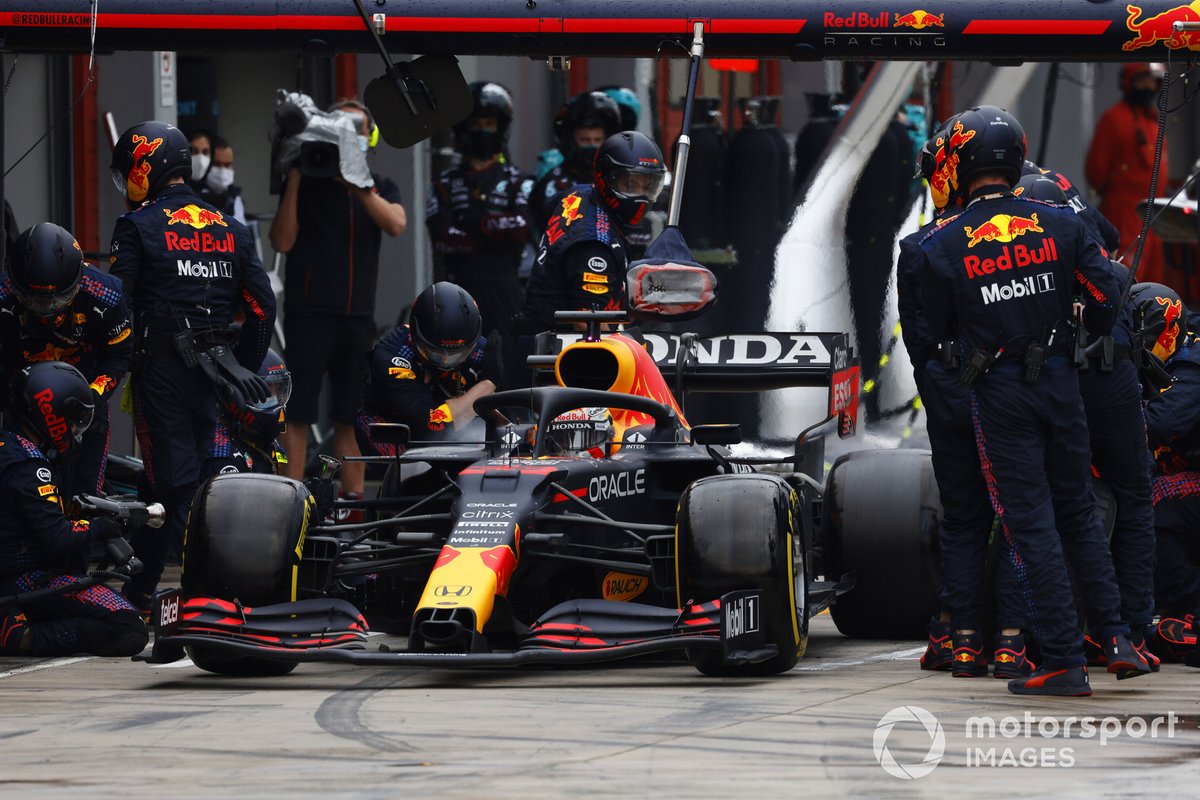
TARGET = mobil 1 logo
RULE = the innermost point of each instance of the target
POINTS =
(741, 622)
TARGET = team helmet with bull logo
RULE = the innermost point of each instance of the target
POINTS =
(629, 176)
(1163, 318)
(147, 156)
(993, 141)
(938, 164)
(445, 325)
(46, 267)
(52, 405)
(581, 432)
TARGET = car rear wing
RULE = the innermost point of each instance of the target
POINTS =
(743, 362)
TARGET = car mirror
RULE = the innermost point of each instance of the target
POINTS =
(390, 433)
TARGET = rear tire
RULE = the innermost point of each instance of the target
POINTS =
(880, 515)
(244, 542)
(742, 532)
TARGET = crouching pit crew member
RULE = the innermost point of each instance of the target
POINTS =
(55, 307)
(428, 373)
(186, 268)
(40, 548)
(1000, 279)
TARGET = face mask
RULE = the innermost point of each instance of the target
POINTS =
(479, 144)
(1141, 97)
(219, 178)
(364, 143)
(583, 158)
(200, 164)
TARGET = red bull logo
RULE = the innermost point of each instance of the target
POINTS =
(1002, 228)
(1005, 658)
(860, 19)
(570, 208)
(1161, 28)
(1164, 347)
(919, 20)
(56, 426)
(439, 416)
(138, 181)
(194, 215)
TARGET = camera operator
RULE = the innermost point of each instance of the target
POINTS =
(332, 231)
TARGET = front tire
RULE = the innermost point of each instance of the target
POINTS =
(244, 542)
(742, 532)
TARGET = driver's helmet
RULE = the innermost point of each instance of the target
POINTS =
(580, 432)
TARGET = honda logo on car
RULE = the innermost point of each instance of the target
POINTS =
(621, 484)
(737, 349)
(1018, 287)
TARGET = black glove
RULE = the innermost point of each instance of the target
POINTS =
(105, 528)
(252, 388)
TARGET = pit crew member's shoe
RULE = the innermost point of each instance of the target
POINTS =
(1138, 637)
(939, 653)
(1094, 652)
(13, 626)
(1060, 681)
(1124, 660)
(1174, 638)
(1010, 659)
(969, 660)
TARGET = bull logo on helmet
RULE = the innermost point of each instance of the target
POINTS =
(1164, 346)
(138, 180)
(944, 180)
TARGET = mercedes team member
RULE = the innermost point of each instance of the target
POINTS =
(966, 519)
(478, 213)
(581, 126)
(52, 405)
(187, 269)
(428, 373)
(582, 256)
(55, 307)
(1000, 278)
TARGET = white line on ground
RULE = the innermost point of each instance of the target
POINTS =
(58, 662)
(893, 656)
(183, 662)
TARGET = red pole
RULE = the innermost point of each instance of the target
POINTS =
(86, 134)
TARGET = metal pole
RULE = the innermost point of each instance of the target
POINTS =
(685, 141)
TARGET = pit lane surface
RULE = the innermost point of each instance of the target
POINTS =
(70, 727)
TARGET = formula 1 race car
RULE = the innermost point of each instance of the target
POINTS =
(543, 543)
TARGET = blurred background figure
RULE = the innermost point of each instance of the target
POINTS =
(1119, 163)
(478, 212)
